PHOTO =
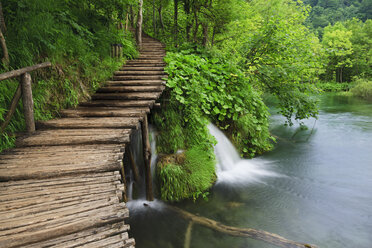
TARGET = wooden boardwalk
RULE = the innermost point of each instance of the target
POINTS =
(62, 186)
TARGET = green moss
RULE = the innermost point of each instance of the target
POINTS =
(187, 175)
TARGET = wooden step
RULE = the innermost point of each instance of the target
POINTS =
(119, 103)
(136, 72)
(111, 89)
(88, 123)
(104, 111)
(139, 64)
(153, 52)
(52, 150)
(86, 237)
(65, 222)
(65, 137)
(127, 96)
(148, 68)
(146, 61)
(136, 83)
(150, 56)
(138, 77)
(55, 166)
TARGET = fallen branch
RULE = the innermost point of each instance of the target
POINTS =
(241, 232)
(188, 235)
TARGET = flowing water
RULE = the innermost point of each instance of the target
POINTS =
(314, 187)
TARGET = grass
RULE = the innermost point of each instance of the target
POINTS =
(187, 175)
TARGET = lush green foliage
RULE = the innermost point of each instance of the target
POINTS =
(75, 36)
(362, 89)
(328, 12)
(265, 39)
(278, 54)
(204, 87)
(188, 179)
(347, 51)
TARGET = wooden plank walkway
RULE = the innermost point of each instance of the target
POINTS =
(61, 186)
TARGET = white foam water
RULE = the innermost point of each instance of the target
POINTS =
(141, 205)
(231, 168)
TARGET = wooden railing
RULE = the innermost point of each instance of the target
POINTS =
(24, 89)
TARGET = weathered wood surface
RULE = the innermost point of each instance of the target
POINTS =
(12, 108)
(127, 96)
(135, 83)
(264, 236)
(139, 77)
(84, 123)
(119, 103)
(105, 111)
(120, 89)
(28, 103)
(147, 157)
(61, 186)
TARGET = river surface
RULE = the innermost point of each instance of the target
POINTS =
(314, 187)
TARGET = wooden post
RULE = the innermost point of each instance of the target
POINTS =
(120, 51)
(12, 109)
(147, 158)
(133, 165)
(125, 198)
(28, 103)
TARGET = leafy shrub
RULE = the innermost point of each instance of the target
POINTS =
(333, 86)
(362, 89)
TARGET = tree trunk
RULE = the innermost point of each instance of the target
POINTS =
(2, 21)
(196, 26)
(161, 17)
(5, 58)
(131, 15)
(205, 34)
(154, 17)
(176, 23)
(139, 24)
(188, 21)
(213, 35)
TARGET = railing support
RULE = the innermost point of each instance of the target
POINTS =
(147, 158)
(28, 103)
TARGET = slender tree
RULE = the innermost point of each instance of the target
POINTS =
(5, 58)
(139, 23)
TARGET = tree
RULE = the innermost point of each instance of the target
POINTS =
(338, 47)
(278, 53)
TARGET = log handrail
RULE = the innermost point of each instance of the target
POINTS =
(25, 90)
(19, 72)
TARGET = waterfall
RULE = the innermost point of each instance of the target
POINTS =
(231, 168)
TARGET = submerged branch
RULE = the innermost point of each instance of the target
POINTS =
(241, 232)
(188, 235)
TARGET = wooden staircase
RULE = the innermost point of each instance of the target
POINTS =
(62, 186)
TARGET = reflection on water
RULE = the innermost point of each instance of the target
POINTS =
(323, 196)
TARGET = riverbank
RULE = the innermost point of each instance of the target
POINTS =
(313, 187)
